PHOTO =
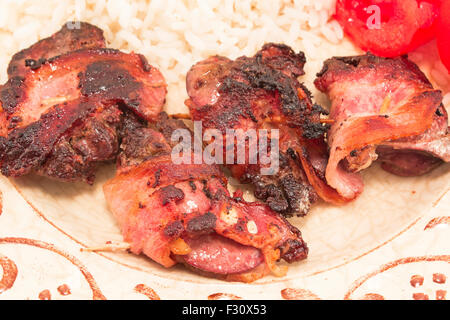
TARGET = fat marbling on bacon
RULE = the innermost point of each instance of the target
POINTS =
(382, 108)
(262, 92)
(61, 109)
(184, 213)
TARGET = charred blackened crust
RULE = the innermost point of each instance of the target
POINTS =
(26, 148)
(260, 92)
(170, 193)
(251, 78)
(11, 94)
(174, 229)
(87, 143)
(270, 75)
(72, 36)
(294, 250)
(281, 57)
(141, 141)
(62, 146)
(107, 77)
(202, 224)
(167, 125)
(289, 192)
(341, 68)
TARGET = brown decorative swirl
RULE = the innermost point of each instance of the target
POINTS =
(441, 294)
(9, 273)
(358, 283)
(372, 296)
(64, 290)
(223, 296)
(437, 221)
(147, 291)
(416, 280)
(420, 296)
(45, 295)
(439, 278)
(11, 270)
(298, 294)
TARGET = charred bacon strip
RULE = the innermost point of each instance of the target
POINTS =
(263, 92)
(61, 95)
(184, 213)
(74, 35)
(381, 102)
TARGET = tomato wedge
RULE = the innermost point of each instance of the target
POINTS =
(443, 34)
(427, 31)
(388, 27)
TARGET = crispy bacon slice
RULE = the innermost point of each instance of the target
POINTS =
(262, 92)
(48, 102)
(74, 35)
(184, 212)
(381, 103)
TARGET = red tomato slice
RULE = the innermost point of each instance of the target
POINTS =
(403, 24)
(427, 31)
(443, 34)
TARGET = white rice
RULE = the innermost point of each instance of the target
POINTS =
(174, 34)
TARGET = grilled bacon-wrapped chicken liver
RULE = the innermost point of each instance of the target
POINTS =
(262, 92)
(382, 108)
(184, 213)
(61, 117)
